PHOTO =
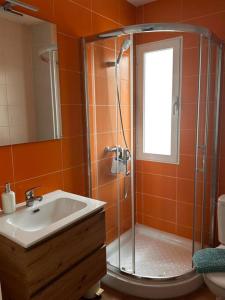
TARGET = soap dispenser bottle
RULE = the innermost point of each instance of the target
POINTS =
(8, 200)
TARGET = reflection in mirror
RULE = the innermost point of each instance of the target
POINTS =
(29, 83)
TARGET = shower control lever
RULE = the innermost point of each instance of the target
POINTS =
(112, 149)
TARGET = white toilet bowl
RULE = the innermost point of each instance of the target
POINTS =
(216, 282)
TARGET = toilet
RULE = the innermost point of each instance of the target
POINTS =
(216, 281)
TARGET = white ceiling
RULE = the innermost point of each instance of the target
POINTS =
(139, 2)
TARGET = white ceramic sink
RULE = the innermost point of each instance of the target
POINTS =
(40, 217)
(58, 209)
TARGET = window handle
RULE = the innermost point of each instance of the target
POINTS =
(176, 106)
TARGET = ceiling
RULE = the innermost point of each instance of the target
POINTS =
(139, 2)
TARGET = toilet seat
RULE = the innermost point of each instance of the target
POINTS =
(216, 281)
(214, 288)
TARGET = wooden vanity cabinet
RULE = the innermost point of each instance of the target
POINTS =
(60, 267)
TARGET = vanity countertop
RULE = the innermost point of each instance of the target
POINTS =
(57, 210)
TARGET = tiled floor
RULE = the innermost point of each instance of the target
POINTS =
(201, 294)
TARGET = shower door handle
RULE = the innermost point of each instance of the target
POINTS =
(176, 106)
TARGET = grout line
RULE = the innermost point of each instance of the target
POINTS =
(75, 167)
(73, 104)
(157, 196)
(12, 160)
(70, 70)
(159, 219)
(62, 160)
(50, 173)
(109, 105)
(97, 13)
(107, 18)
(80, 5)
(36, 177)
(68, 35)
(72, 137)
(203, 16)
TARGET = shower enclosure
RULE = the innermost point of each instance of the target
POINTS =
(160, 206)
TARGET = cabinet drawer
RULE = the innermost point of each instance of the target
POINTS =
(74, 283)
(53, 257)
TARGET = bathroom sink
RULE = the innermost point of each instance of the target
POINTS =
(58, 209)
(39, 217)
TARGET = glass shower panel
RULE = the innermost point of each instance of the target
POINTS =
(200, 146)
(168, 195)
(171, 218)
(103, 133)
(189, 169)
(207, 133)
(111, 154)
(125, 141)
(213, 142)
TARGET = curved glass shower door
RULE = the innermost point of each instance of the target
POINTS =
(110, 142)
(161, 211)
(173, 199)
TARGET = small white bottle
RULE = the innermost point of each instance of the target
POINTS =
(8, 200)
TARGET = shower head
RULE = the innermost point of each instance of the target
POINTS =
(125, 46)
(44, 53)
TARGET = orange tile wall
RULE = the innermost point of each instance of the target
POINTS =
(104, 131)
(62, 164)
(165, 192)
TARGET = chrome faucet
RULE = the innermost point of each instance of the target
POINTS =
(30, 197)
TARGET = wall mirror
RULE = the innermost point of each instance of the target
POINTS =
(29, 80)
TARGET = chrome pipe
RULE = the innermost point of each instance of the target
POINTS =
(214, 181)
(206, 136)
(57, 94)
(87, 101)
(51, 71)
(56, 109)
(197, 145)
(116, 82)
(132, 154)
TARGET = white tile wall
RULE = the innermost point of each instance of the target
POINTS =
(2, 66)
(16, 96)
(4, 135)
(4, 119)
(3, 94)
(16, 93)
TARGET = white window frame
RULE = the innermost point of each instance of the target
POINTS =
(177, 45)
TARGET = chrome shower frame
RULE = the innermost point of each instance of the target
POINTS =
(153, 27)
(213, 194)
(203, 33)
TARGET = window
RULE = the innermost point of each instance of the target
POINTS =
(158, 93)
